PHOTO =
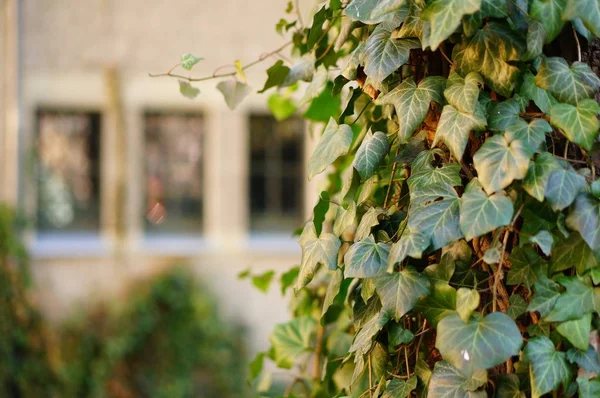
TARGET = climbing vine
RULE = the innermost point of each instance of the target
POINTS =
(455, 251)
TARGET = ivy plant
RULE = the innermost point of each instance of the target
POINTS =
(455, 251)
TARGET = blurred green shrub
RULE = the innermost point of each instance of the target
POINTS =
(27, 363)
(166, 341)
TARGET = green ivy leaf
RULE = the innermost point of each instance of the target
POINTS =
(480, 213)
(398, 335)
(526, 267)
(440, 219)
(372, 12)
(549, 368)
(263, 281)
(478, 344)
(585, 219)
(292, 339)
(500, 160)
(364, 338)
(489, 52)
(504, 114)
(187, 90)
(587, 359)
(317, 87)
(518, 306)
(368, 221)
(563, 186)
(276, 75)
(189, 60)
(366, 259)
(467, 301)
(588, 388)
(579, 123)
(334, 142)
(370, 153)
(414, 25)
(572, 252)
(567, 84)
(454, 127)
(549, 13)
(508, 386)
(234, 92)
(281, 106)
(288, 278)
(412, 102)
(344, 218)
(444, 17)
(320, 211)
(400, 291)
(463, 93)
(536, 37)
(410, 244)
(440, 303)
(541, 98)
(578, 299)
(536, 180)
(315, 250)
(383, 54)
(577, 331)
(449, 174)
(544, 241)
(333, 288)
(588, 11)
(448, 382)
(533, 134)
(398, 388)
(546, 293)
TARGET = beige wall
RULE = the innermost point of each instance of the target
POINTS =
(66, 47)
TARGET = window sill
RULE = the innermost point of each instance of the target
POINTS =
(173, 244)
(68, 245)
(277, 243)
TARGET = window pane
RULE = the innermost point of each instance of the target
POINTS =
(68, 147)
(276, 174)
(174, 184)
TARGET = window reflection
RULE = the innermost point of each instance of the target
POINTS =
(276, 173)
(68, 147)
(174, 184)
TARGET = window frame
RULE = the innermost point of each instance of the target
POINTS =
(277, 235)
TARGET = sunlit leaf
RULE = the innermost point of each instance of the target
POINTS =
(189, 60)
(579, 123)
(463, 93)
(370, 153)
(412, 102)
(234, 92)
(400, 291)
(501, 160)
(454, 127)
(316, 250)
(448, 382)
(334, 142)
(444, 17)
(366, 259)
(568, 84)
(292, 339)
(372, 12)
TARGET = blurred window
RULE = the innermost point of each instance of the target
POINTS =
(68, 149)
(174, 155)
(276, 174)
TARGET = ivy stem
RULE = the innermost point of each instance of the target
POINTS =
(318, 352)
(370, 380)
(577, 41)
(219, 75)
(502, 253)
(395, 165)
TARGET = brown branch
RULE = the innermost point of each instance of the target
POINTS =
(216, 75)
(318, 352)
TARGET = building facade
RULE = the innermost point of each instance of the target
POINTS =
(121, 175)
